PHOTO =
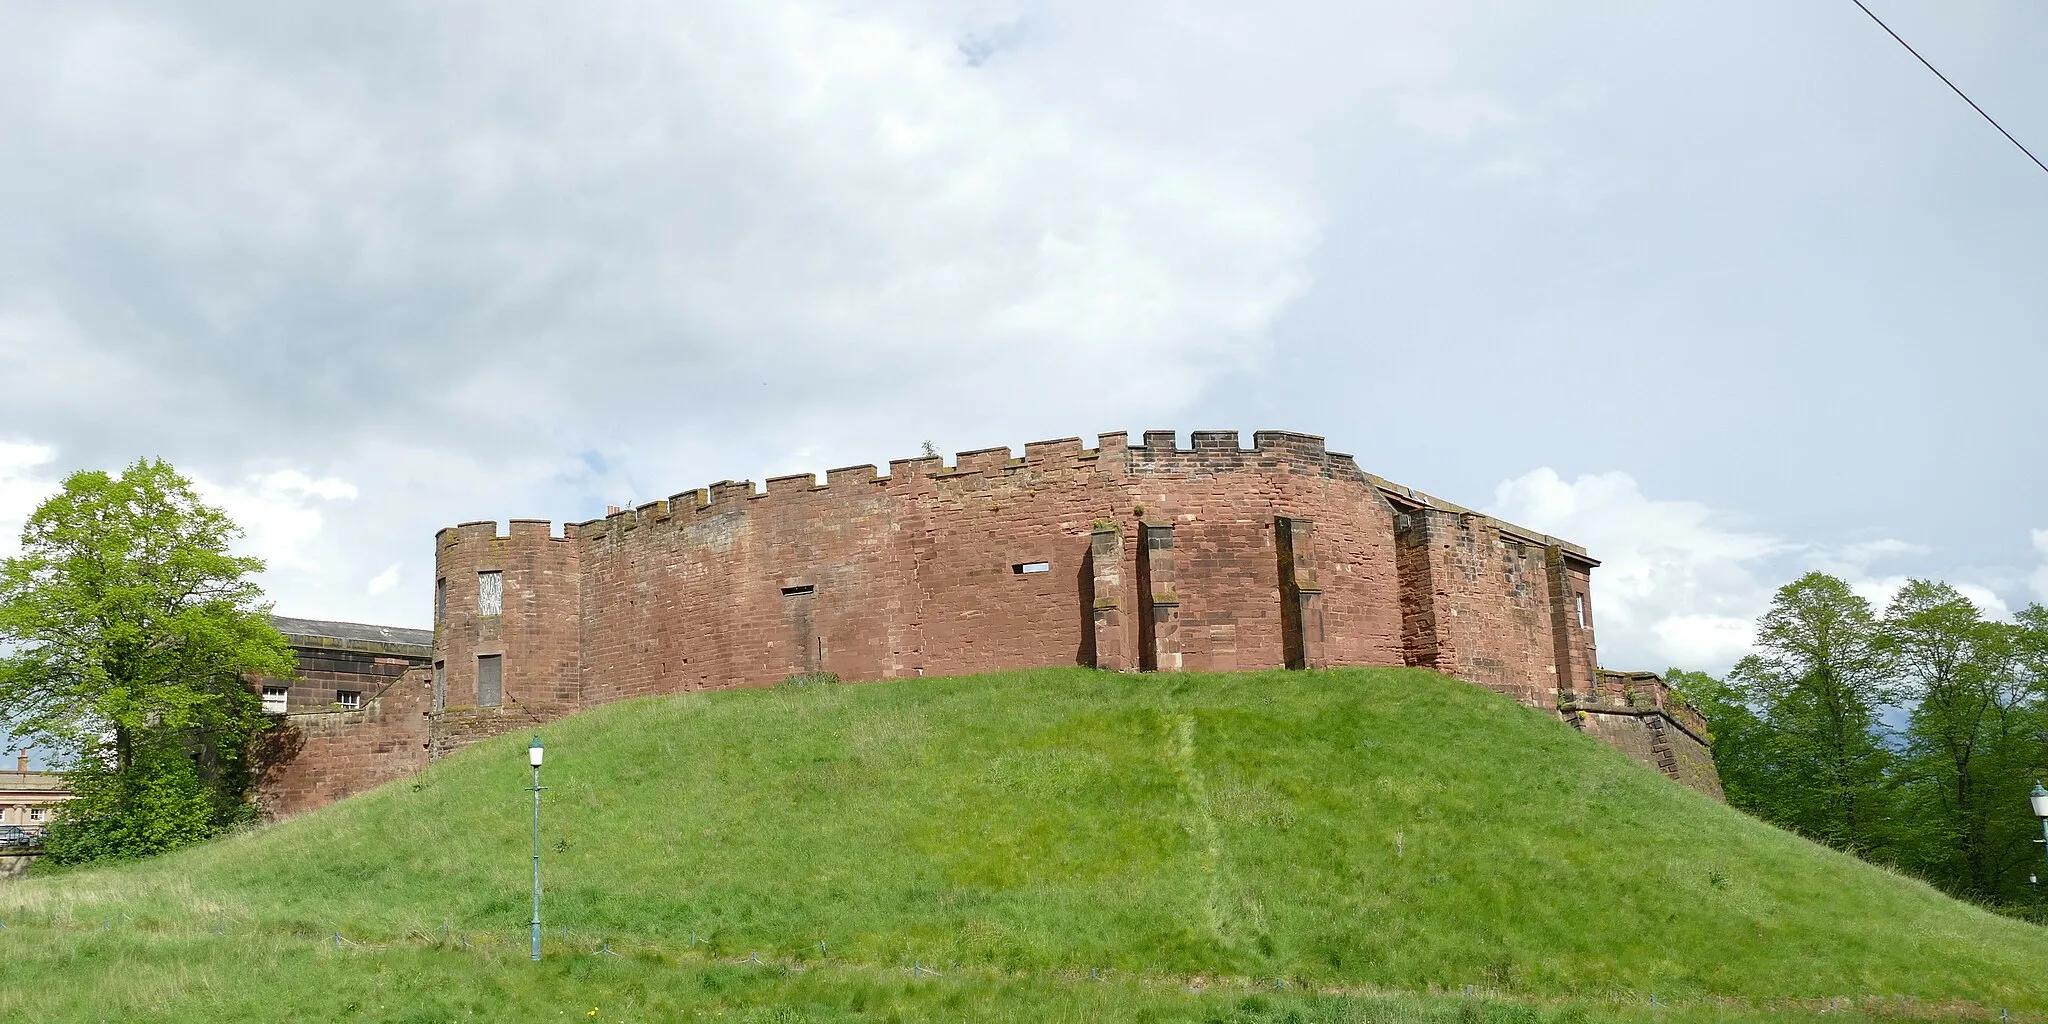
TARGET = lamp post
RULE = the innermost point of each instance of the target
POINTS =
(533, 754)
(2039, 798)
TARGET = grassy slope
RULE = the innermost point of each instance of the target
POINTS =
(1357, 828)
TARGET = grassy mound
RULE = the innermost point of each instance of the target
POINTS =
(1351, 831)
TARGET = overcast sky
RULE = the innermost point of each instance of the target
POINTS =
(1722, 291)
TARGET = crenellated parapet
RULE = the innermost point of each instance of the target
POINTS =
(507, 609)
(969, 470)
(1221, 451)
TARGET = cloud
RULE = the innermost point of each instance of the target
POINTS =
(1880, 591)
(444, 252)
(2039, 580)
(1454, 117)
(1682, 583)
(796, 201)
(1679, 582)
(23, 486)
(383, 581)
(279, 512)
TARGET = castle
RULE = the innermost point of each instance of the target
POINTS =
(1125, 557)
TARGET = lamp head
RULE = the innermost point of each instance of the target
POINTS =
(2039, 798)
(533, 758)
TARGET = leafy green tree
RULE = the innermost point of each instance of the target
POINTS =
(2025, 649)
(1746, 753)
(1817, 682)
(158, 804)
(132, 629)
(1971, 736)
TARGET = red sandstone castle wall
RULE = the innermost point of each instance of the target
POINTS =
(913, 572)
(318, 757)
(876, 577)
(1222, 503)
(1636, 713)
(537, 630)
(1494, 605)
(910, 573)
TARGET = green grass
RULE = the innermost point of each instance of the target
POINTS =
(1061, 844)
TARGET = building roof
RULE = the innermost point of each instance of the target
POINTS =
(349, 633)
(33, 782)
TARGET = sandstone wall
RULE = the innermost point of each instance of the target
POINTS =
(1636, 713)
(312, 759)
(328, 667)
(1226, 557)
(536, 633)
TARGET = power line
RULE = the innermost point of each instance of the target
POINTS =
(1951, 85)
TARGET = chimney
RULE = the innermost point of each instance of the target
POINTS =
(21, 761)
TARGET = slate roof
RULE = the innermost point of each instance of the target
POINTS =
(353, 632)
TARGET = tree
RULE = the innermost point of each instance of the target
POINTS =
(1746, 754)
(132, 631)
(1969, 736)
(1817, 682)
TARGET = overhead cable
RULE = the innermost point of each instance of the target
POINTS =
(1951, 85)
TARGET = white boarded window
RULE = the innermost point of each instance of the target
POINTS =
(1027, 568)
(440, 685)
(1580, 600)
(349, 699)
(490, 593)
(274, 699)
(490, 680)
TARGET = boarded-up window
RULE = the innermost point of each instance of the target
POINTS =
(1581, 602)
(490, 593)
(275, 699)
(490, 680)
(440, 599)
(440, 685)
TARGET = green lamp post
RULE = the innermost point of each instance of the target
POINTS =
(533, 755)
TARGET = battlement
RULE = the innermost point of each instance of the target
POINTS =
(1210, 450)
(486, 531)
(1214, 451)
(1159, 450)
(728, 495)
(1270, 442)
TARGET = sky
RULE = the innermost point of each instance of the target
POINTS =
(1724, 292)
